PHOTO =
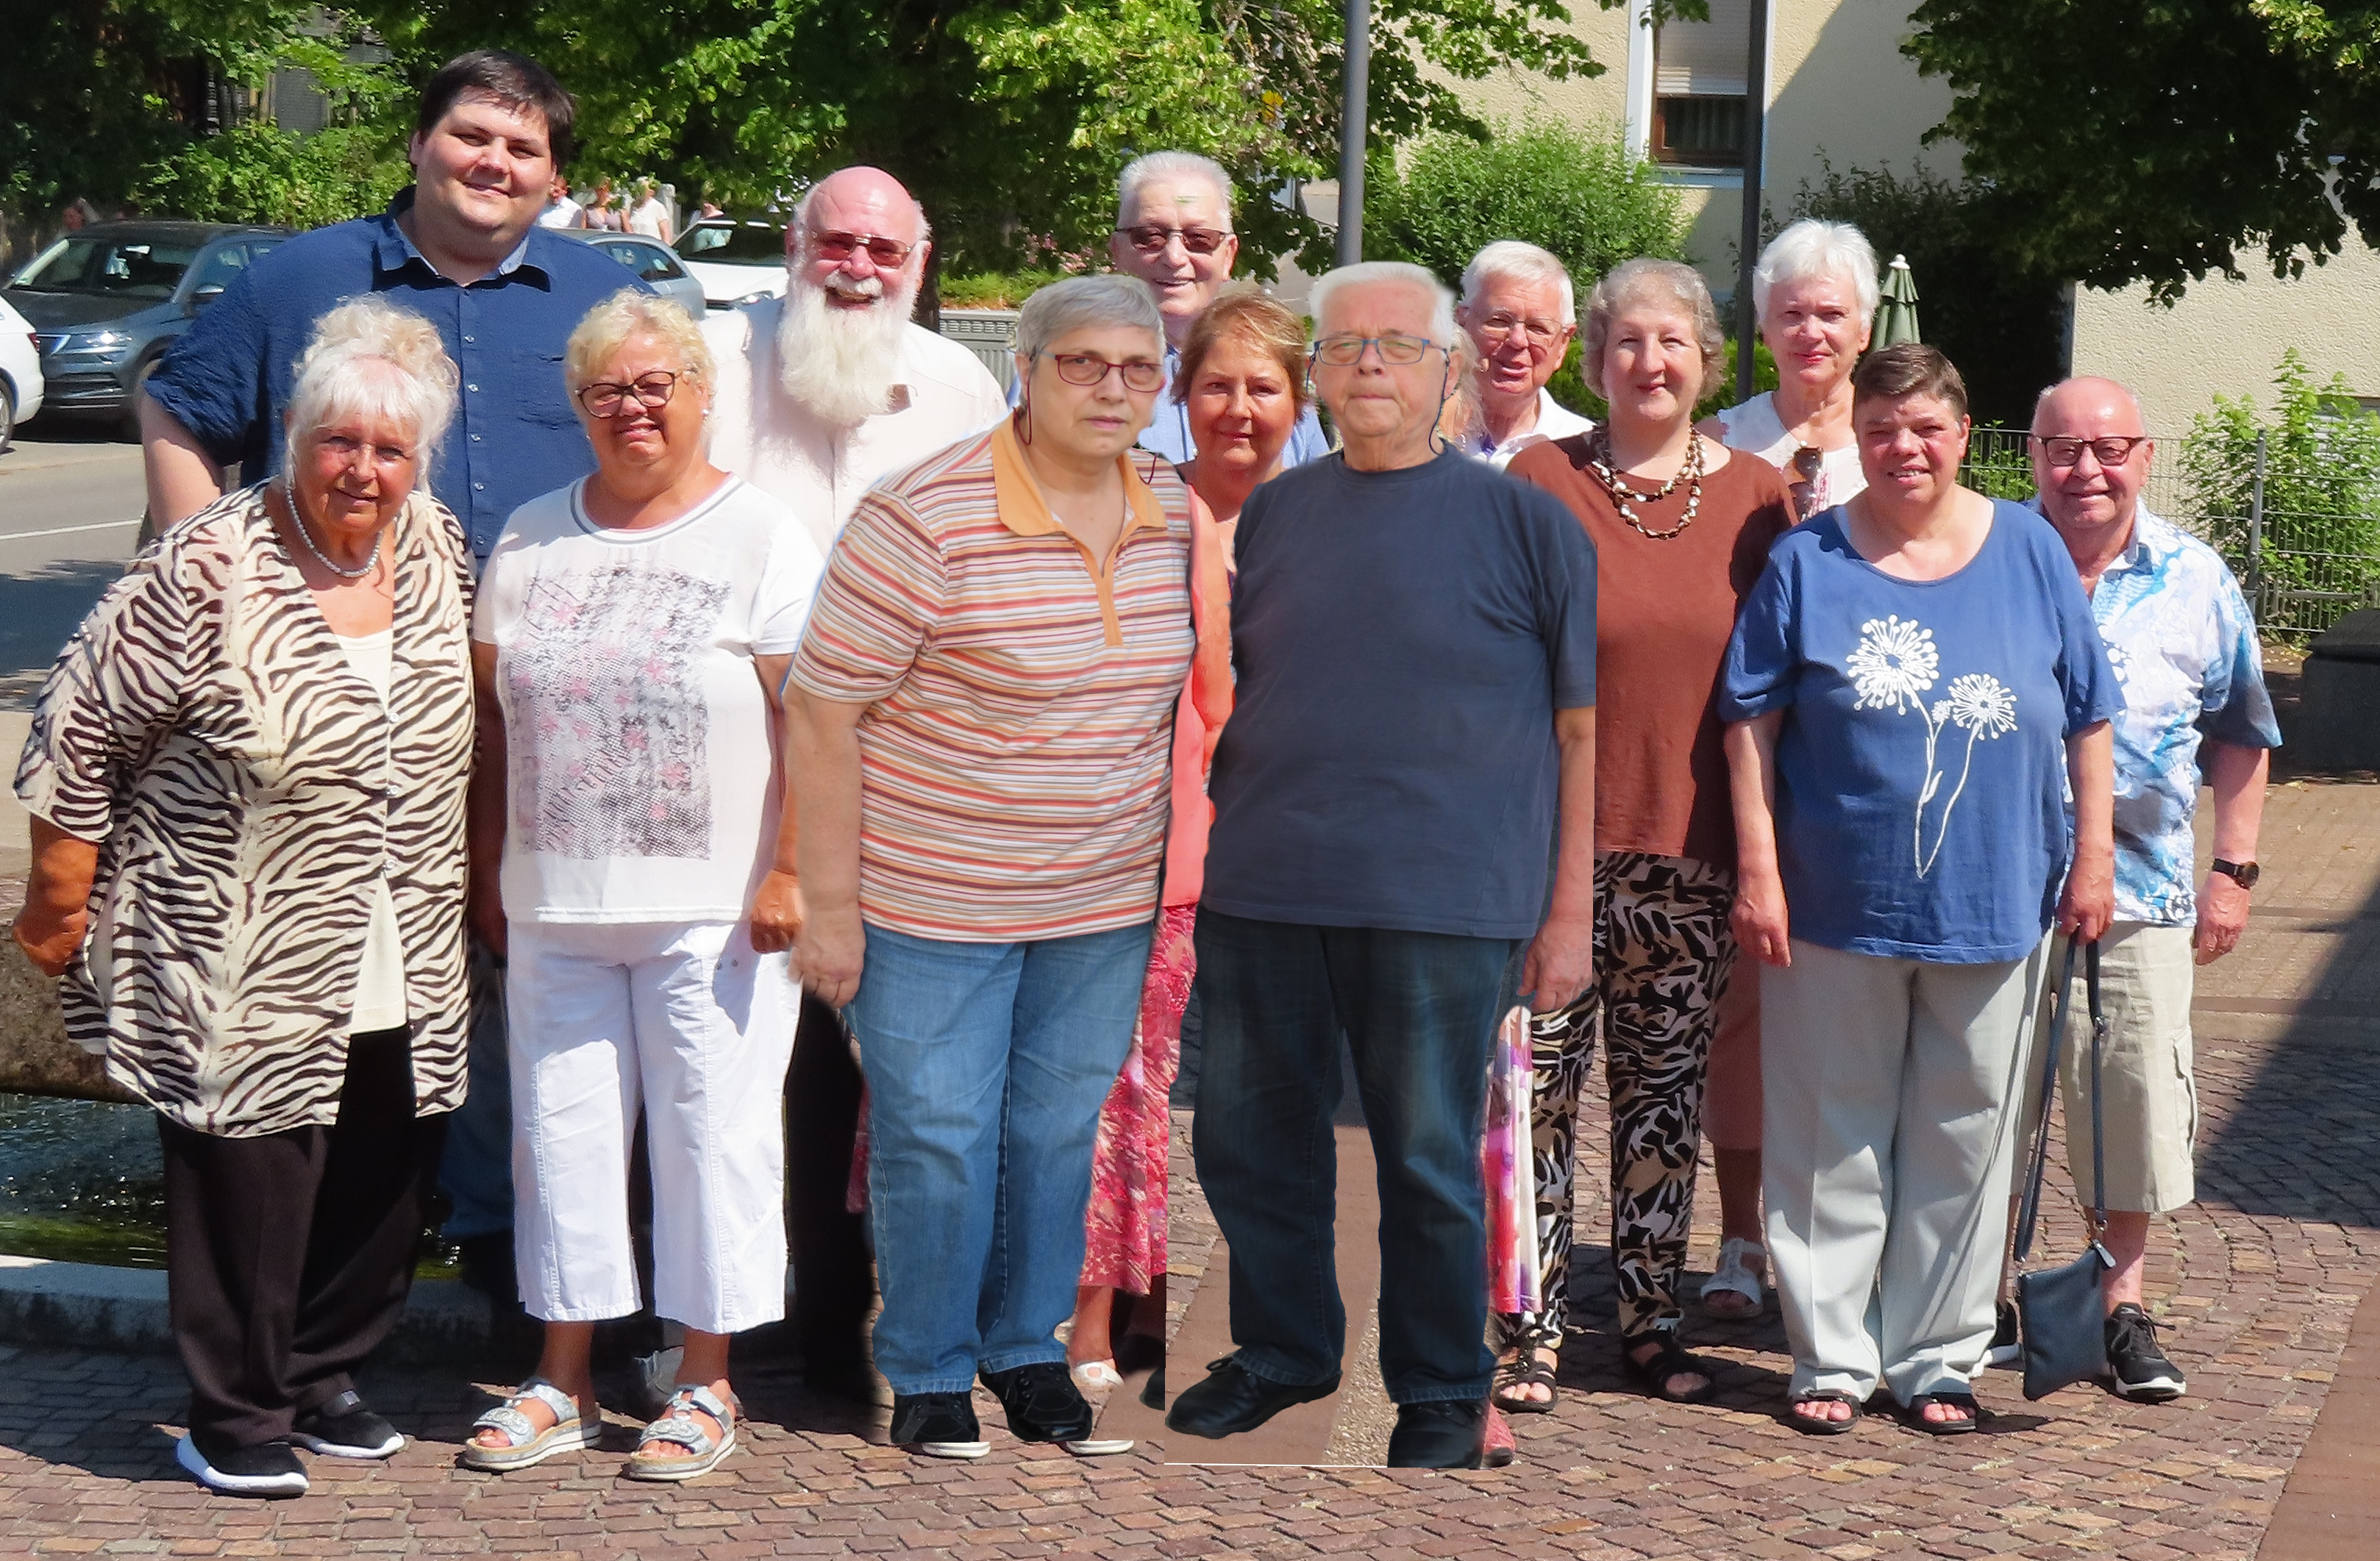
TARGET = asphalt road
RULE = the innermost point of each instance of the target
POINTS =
(70, 506)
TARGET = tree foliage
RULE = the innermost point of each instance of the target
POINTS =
(2002, 322)
(2153, 141)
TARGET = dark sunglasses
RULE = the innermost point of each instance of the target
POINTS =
(889, 253)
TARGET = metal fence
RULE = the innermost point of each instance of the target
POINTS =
(2302, 571)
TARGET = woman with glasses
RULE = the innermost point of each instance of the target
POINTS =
(1520, 312)
(981, 720)
(1681, 526)
(1814, 291)
(628, 841)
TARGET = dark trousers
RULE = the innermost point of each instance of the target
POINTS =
(1419, 1010)
(289, 1257)
(834, 1286)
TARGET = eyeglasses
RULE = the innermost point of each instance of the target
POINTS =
(2113, 451)
(1345, 352)
(889, 253)
(1088, 369)
(605, 398)
(1499, 326)
(1150, 239)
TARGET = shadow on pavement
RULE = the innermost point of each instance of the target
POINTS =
(38, 611)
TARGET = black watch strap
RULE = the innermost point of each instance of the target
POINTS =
(2244, 874)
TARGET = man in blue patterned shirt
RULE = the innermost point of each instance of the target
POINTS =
(2184, 648)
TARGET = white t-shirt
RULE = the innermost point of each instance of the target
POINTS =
(642, 781)
(1753, 427)
(648, 217)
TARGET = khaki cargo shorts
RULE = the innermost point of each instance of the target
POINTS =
(2151, 1101)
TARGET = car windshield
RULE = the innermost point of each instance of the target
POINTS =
(136, 268)
(749, 243)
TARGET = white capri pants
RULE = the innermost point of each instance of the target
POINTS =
(1892, 1100)
(689, 1023)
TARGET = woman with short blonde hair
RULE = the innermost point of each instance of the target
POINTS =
(247, 776)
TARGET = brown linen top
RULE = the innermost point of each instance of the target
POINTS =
(1663, 613)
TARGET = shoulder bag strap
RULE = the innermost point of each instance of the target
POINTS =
(2098, 1133)
(2040, 1155)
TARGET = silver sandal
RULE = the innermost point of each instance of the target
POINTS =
(571, 1432)
(677, 1425)
(1736, 1275)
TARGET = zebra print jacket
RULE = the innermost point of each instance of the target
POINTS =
(245, 787)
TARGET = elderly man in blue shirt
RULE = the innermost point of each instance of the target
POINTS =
(462, 248)
(2184, 648)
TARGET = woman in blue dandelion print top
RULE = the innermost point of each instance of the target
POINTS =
(1912, 684)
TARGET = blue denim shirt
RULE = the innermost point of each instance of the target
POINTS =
(2183, 646)
(513, 436)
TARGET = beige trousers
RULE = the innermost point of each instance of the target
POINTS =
(1892, 1091)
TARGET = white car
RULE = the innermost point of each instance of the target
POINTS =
(21, 372)
(736, 263)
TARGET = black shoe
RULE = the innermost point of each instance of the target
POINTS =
(1152, 1393)
(2004, 1350)
(941, 1425)
(268, 1469)
(2139, 1369)
(1441, 1433)
(1042, 1402)
(1234, 1398)
(344, 1427)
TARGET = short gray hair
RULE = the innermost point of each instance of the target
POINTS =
(1172, 167)
(623, 316)
(1516, 261)
(1084, 302)
(374, 359)
(1330, 285)
(1810, 249)
(1670, 282)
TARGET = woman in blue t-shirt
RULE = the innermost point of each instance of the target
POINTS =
(1913, 683)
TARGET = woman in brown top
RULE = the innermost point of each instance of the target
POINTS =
(1681, 526)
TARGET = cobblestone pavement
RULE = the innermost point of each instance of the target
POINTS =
(2258, 1284)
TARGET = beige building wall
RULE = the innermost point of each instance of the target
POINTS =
(2227, 337)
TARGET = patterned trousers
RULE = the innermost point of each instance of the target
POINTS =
(1663, 952)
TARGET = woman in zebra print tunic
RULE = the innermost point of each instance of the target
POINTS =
(246, 775)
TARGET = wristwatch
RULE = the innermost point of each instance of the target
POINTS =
(2244, 874)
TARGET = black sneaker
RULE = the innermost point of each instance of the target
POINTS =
(2005, 1350)
(1439, 1433)
(941, 1425)
(1044, 1405)
(2137, 1367)
(344, 1427)
(268, 1469)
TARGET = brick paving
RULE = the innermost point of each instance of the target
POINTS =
(2259, 1283)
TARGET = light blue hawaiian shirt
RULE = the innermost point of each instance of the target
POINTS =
(2184, 648)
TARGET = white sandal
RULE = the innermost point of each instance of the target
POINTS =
(678, 1425)
(1095, 1373)
(572, 1430)
(1737, 1275)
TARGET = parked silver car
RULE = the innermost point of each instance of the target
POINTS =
(651, 260)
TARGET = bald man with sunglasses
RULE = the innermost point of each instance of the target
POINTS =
(1174, 231)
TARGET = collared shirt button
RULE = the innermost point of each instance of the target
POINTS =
(471, 338)
(478, 487)
(473, 388)
(475, 439)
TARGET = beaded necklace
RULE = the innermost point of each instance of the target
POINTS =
(1606, 470)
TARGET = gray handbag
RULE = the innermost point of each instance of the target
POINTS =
(2062, 1313)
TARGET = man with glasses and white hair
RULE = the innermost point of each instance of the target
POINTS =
(2184, 648)
(818, 394)
(1521, 313)
(831, 387)
(1415, 639)
(1174, 231)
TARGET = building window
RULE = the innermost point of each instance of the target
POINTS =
(1699, 85)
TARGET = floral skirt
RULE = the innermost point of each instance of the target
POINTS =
(1123, 1237)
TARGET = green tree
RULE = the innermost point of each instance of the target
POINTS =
(2140, 143)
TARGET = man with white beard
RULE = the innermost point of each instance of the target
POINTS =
(824, 391)
(819, 393)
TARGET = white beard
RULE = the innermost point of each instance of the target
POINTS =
(841, 362)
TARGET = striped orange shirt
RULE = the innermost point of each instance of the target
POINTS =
(1016, 752)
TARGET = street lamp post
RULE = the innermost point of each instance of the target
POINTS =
(1756, 111)
(1354, 117)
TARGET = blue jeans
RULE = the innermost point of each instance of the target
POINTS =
(477, 1172)
(987, 1064)
(1419, 1010)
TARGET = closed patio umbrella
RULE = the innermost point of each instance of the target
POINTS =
(1896, 316)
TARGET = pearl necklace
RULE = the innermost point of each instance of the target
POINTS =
(1690, 473)
(306, 536)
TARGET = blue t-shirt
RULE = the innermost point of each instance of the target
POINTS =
(513, 436)
(1921, 767)
(1403, 640)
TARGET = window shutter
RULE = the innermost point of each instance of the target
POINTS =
(1705, 59)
